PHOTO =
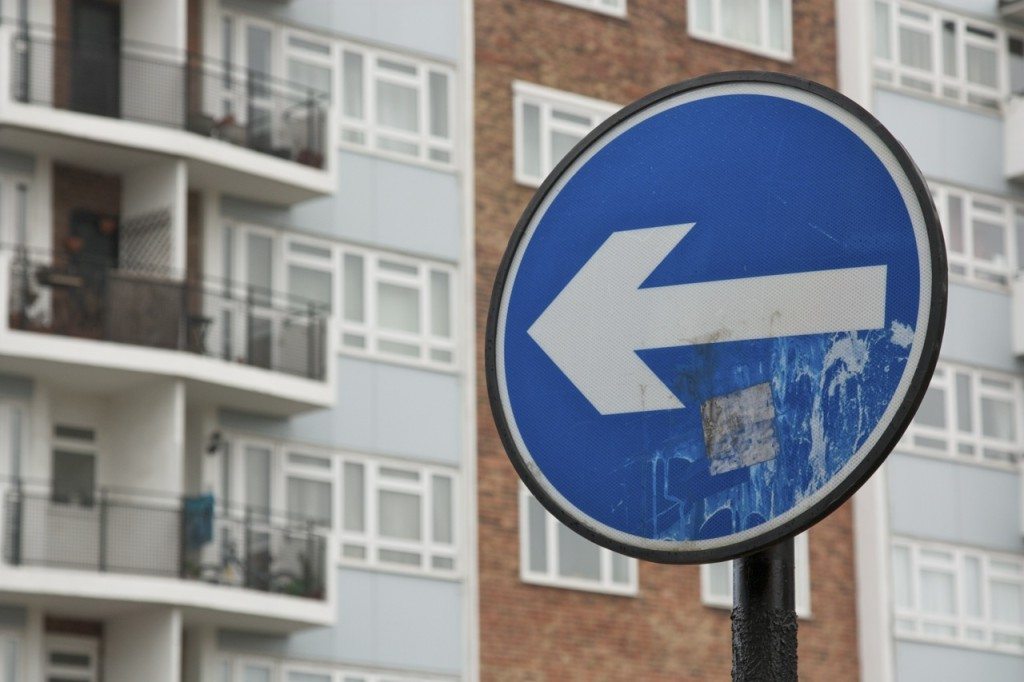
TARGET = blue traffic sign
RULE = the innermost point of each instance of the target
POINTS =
(716, 317)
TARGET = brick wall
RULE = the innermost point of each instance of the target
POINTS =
(541, 633)
(77, 188)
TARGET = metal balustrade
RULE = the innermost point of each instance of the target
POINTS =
(74, 295)
(148, 84)
(109, 531)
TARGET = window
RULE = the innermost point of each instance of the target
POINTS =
(968, 415)
(616, 8)
(71, 659)
(958, 596)
(548, 124)
(716, 580)
(761, 26)
(984, 235)
(74, 465)
(397, 307)
(246, 669)
(398, 515)
(944, 55)
(551, 554)
(13, 438)
(10, 657)
(397, 106)
(14, 194)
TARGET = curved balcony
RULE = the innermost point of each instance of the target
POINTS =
(114, 544)
(244, 132)
(68, 316)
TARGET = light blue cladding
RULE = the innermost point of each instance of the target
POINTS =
(918, 662)
(971, 309)
(384, 620)
(964, 504)
(381, 409)
(432, 27)
(988, 9)
(379, 203)
(16, 162)
(15, 387)
(949, 143)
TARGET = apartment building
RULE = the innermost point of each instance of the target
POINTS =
(237, 389)
(939, 529)
(553, 606)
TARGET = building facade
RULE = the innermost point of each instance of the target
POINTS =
(938, 529)
(237, 384)
(554, 606)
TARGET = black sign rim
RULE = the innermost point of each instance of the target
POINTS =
(892, 432)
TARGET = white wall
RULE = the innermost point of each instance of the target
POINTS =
(157, 22)
(145, 438)
(143, 645)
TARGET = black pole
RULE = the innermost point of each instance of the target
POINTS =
(764, 616)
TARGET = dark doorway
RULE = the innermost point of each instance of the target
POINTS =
(96, 57)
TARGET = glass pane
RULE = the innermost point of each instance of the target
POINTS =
(620, 569)
(438, 104)
(563, 115)
(353, 501)
(443, 517)
(964, 405)
(901, 578)
(394, 556)
(395, 266)
(227, 48)
(530, 152)
(308, 677)
(537, 536)
(955, 223)
(937, 592)
(398, 106)
(577, 556)
(720, 581)
(401, 474)
(702, 15)
(354, 288)
(949, 66)
(982, 66)
(74, 477)
(972, 587)
(309, 500)
(741, 20)
(311, 80)
(440, 304)
(915, 48)
(562, 144)
(398, 307)
(932, 411)
(255, 673)
(776, 25)
(257, 480)
(260, 255)
(399, 515)
(883, 31)
(989, 241)
(15, 438)
(399, 67)
(353, 551)
(997, 420)
(311, 461)
(352, 82)
(309, 286)
(1007, 602)
(258, 54)
(397, 348)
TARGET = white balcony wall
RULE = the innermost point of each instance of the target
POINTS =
(147, 190)
(143, 645)
(156, 22)
(146, 427)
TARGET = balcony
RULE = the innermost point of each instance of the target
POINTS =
(1012, 9)
(243, 132)
(115, 544)
(72, 319)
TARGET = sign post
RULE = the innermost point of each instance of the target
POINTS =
(713, 322)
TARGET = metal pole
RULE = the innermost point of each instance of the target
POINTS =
(764, 616)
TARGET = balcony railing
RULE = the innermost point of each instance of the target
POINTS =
(143, 83)
(137, 533)
(78, 296)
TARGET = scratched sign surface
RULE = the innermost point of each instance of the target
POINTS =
(716, 318)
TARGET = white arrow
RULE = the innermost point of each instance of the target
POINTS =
(594, 326)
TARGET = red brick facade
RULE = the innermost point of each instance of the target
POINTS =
(665, 633)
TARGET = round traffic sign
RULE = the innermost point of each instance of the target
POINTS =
(716, 317)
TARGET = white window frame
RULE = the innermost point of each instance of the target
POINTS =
(370, 331)
(548, 100)
(613, 8)
(280, 668)
(963, 265)
(368, 127)
(917, 436)
(909, 622)
(714, 35)
(551, 577)
(890, 72)
(370, 539)
(802, 579)
(89, 646)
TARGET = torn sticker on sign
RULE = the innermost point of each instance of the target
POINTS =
(739, 428)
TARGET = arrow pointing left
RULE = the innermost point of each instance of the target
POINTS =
(594, 327)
